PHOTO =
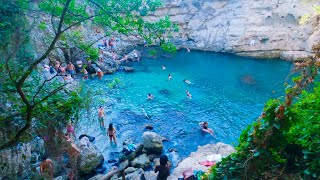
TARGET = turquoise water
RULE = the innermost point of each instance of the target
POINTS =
(227, 91)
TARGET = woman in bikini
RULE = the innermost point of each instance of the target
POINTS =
(70, 130)
(112, 133)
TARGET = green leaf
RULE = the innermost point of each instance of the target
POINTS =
(256, 154)
(276, 125)
(306, 171)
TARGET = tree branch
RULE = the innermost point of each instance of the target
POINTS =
(50, 94)
(82, 20)
(40, 88)
(34, 64)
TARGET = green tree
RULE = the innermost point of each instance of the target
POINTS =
(28, 97)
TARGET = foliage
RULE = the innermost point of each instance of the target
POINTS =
(284, 142)
(305, 18)
(30, 100)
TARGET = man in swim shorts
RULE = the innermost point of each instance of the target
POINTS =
(101, 115)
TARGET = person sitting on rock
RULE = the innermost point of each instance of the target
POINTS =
(135, 55)
(85, 74)
(46, 168)
(205, 128)
(70, 68)
(163, 168)
(99, 74)
(125, 58)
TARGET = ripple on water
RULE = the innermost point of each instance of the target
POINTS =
(227, 91)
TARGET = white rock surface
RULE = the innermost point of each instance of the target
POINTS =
(201, 154)
(259, 28)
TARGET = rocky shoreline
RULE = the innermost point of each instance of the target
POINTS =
(135, 162)
(140, 163)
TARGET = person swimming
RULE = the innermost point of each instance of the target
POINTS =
(187, 81)
(163, 67)
(150, 96)
(169, 77)
(205, 127)
(189, 95)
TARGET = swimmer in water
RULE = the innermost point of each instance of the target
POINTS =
(169, 77)
(150, 96)
(189, 94)
(187, 81)
(205, 128)
(163, 67)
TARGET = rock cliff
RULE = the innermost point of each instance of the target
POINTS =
(258, 28)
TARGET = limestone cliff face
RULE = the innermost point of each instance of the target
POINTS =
(258, 28)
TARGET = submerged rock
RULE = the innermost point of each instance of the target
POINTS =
(207, 152)
(128, 69)
(148, 126)
(152, 143)
(90, 156)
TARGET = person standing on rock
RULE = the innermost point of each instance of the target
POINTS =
(112, 133)
(101, 115)
(46, 168)
(163, 168)
(70, 130)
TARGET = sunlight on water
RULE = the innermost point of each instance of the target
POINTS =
(227, 91)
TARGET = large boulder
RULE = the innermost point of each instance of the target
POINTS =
(135, 55)
(107, 66)
(141, 162)
(212, 152)
(90, 156)
(152, 143)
